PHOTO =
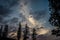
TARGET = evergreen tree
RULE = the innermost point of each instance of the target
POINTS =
(5, 32)
(34, 34)
(19, 32)
(26, 32)
(1, 30)
(55, 15)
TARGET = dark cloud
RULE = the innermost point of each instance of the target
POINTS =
(14, 20)
(5, 5)
(3, 10)
(39, 14)
(23, 17)
(1, 18)
(38, 0)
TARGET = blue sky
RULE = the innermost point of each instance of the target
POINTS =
(39, 4)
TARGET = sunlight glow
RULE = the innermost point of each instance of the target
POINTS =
(31, 19)
(43, 31)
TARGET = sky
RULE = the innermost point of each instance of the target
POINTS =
(39, 4)
(11, 12)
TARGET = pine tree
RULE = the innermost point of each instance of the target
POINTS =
(55, 15)
(19, 32)
(26, 32)
(5, 32)
(34, 34)
(1, 30)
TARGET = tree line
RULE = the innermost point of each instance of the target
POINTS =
(4, 33)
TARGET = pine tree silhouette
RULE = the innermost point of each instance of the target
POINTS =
(55, 15)
(19, 32)
(5, 32)
(1, 30)
(26, 32)
(34, 34)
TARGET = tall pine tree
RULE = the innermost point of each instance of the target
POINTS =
(55, 15)
(19, 32)
(5, 32)
(26, 32)
(34, 34)
(1, 30)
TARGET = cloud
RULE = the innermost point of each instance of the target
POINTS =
(5, 5)
(5, 8)
(39, 14)
(43, 31)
